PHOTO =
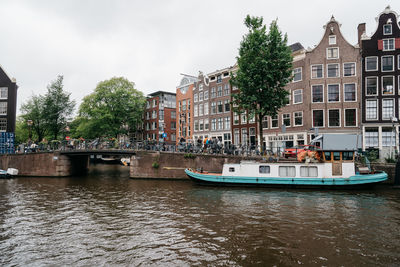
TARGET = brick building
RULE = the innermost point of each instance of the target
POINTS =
(381, 84)
(8, 102)
(324, 94)
(201, 108)
(184, 110)
(160, 117)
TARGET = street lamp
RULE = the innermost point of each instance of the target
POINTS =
(30, 123)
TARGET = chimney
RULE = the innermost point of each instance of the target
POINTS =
(360, 30)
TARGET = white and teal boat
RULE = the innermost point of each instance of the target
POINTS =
(334, 169)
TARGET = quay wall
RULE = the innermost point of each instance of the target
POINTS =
(45, 164)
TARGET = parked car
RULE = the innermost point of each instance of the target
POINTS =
(293, 151)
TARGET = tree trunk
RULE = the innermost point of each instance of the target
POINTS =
(260, 132)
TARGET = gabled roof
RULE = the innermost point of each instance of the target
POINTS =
(296, 47)
(8, 76)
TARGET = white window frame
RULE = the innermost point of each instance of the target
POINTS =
(394, 84)
(195, 98)
(327, 93)
(327, 53)
(355, 69)
(340, 118)
(391, 29)
(323, 118)
(327, 70)
(312, 94)
(294, 98)
(277, 118)
(377, 63)
(301, 74)
(5, 107)
(377, 84)
(5, 89)
(294, 119)
(387, 40)
(344, 117)
(382, 64)
(289, 119)
(322, 71)
(3, 121)
(377, 110)
(394, 108)
(332, 39)
(344, 93)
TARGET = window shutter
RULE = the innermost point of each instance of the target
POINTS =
(397, 43)
(380, 44)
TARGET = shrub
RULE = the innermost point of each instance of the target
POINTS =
(189, 156)
(155, 165)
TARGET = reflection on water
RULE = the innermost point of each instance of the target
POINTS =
(106, 218)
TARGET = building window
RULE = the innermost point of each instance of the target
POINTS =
(388, 44)
(227, 105)
(195, 111)
(372, 85)
(334, 118)
(213, 107)
(332, 39)
(161, 115)
(3, 124)
(387, 29)
(318, 118)
(332, 53)
(263, 169)
(371, 137)
(173, 125)
(298, 96)
(201, 96)
(244, 136)
(200, 87)
(387, 63)
(349, 69)
(206, 95)
(213, 92)
(349, 92)
(388, 137)
(220, 124)
(206, 125)
(226, 89)
(220, 107)
(195, 99)
(317, 71)
(201, 110)
(388, 85)
(201, 125)
(333, 70)
(297, 74)
(333, 93)
(213, 124)
(236, 137)
(286, 119)
(154, 114)
(350, 117)
(219, 91)
(235, 118)
(387, 109)
(173, 114)
(371, 63)
(196, 125)
(243, 117)
(206, 108)
(252, 118)
(274, 121)
(219, 79)
(317, 93)
(265, 123)
(298, 118)
(227, 123)
(371, 110)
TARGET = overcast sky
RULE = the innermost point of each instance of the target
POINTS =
(150, 42)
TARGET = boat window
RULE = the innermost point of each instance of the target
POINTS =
(231, 169)
(348, 155)
(336, 155)
(287, 171)
(309, 171)
(264, 169)
(328, 156)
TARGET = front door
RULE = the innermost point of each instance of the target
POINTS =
(336, 164)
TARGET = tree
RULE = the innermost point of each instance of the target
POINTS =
(115, 107)
(21, 130)
(33, 110)
(264, 68)
(58, 107)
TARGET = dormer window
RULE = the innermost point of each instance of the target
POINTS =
(332, 39)
(387, 29)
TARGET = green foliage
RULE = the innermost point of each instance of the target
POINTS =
(372, 155)
(264, 69)
(21, 130)
(155, 165)
(115, 107)
(33, 110)
(390, 160)
(189, 156)
(58, 107)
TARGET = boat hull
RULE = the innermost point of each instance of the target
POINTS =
(356, 181)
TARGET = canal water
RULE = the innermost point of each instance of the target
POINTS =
(105, 219)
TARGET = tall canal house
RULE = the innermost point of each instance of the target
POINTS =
(160, 117)
(184, 108)
(8, 102)
(381, 84)
(324, 93)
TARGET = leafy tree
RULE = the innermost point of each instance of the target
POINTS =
(21, 130)
(33, 110)
(264, 68)
(57, 107)
(115, 107)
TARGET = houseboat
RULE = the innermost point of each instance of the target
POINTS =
(334, 168)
